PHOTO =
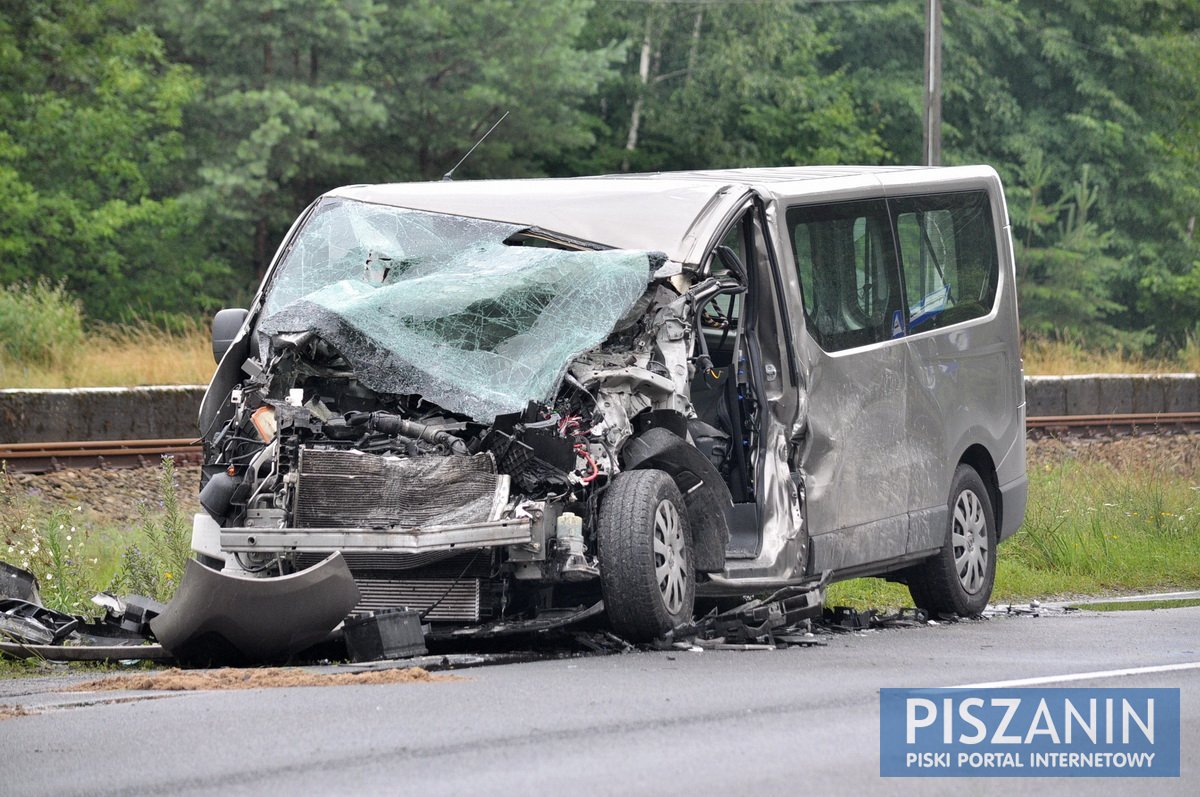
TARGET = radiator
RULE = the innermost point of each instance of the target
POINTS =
(352, 489)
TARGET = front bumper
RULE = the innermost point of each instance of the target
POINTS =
(433, 538)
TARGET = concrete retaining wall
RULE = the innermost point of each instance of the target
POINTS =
(1106, 394)
(140, 413)
(99, 413)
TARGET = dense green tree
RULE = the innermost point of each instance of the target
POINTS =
(153, 154)
(90, 139)
(1073, 85)
(283, 111)
(446, 70)
(722, 85)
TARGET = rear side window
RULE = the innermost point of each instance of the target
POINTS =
(948, 255)
(848, 274)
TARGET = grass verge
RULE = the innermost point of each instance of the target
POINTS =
(1092, 527)
(1065, 356)
(74, 557)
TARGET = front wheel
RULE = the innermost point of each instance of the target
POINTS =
(645, 549)
(958, 580)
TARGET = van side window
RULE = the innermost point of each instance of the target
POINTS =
(948, 254)
(848, 274)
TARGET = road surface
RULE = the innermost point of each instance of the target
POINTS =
(798, 721)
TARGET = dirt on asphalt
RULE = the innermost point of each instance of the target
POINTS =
(177, 680)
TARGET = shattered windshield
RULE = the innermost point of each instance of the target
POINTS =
(440, 306)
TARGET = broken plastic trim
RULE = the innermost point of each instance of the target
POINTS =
(217, 617)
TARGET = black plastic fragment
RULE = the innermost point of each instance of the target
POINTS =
(387, 634)
(19, 584)
(139, 611)
(34, 624)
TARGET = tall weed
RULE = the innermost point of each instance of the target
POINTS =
(41, 325)
(155, 565)
(51, 546)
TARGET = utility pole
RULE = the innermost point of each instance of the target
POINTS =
(933, 83)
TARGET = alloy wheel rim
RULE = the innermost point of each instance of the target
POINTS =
(969, 539)
(670, 556)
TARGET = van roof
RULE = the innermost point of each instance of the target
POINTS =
(665, 211)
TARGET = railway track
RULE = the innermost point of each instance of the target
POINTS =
(45, 457)
(1116, 424)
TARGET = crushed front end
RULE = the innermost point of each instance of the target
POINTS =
(443, 401)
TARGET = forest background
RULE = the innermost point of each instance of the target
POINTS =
(153, 154)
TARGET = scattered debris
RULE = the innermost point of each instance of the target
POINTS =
(12, 712)
(387, 634)
(92, 653)
(1032, 609)
(19, 584)
(256, 678)
(30, 630)
(845, 618)
(546, 620)
(33, 623)
(782, 619)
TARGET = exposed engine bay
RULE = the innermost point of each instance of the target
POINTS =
(445, 402)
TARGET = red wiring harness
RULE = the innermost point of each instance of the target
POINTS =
(569, 426)
(582, 451)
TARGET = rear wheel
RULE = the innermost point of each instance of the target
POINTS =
(645, 549)
(958, 580)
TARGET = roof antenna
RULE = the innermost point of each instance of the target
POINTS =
(449, 176)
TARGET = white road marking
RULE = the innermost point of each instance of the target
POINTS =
(1158, 596)
(1081, 676)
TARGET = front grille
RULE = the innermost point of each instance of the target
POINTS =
(418, 581)
(352, 489)
(461, 602)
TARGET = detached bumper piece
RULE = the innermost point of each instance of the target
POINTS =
(216, 617)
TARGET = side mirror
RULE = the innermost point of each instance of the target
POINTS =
(225, 327)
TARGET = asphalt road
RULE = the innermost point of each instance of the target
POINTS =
(798, 721)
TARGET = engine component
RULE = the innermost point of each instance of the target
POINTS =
(570, 540)
(217, 494)
(357, 423)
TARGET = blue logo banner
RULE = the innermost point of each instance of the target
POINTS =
(990, 733)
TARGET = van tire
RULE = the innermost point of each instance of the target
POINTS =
(645, 549)
(958, 580)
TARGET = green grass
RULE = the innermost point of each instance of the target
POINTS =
(41, 325)
(1090, 529)
(74, 559)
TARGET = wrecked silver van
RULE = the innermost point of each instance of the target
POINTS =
(500, 400)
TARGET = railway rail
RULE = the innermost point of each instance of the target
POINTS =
(45, 457)
(1117, 424)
